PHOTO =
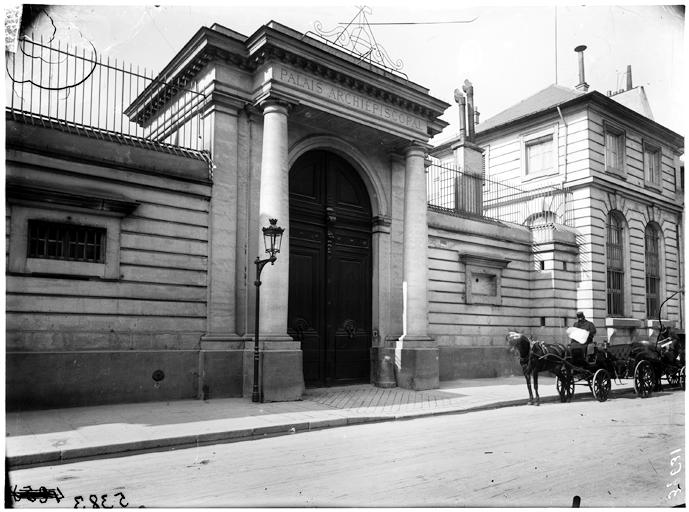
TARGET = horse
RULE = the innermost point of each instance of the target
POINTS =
(535, 357)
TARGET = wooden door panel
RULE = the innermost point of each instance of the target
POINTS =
(350, 314)
(305, 320)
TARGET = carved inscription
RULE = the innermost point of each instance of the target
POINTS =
(350, 99)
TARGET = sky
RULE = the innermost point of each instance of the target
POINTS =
(508, 51)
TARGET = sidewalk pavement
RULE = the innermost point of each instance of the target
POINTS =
(53, 436)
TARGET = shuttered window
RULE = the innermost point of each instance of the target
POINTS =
(60, 241)
(614, 149)
(652, 165)
(615, 265)
(652, 238)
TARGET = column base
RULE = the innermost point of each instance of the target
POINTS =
(417, 363)
(281, 377)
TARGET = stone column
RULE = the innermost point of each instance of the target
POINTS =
(416, 354)
(220, 358)
(282, 376)
(274, 204)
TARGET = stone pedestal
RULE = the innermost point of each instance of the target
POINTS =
(220, 366)
(417, 364)
(281, 377)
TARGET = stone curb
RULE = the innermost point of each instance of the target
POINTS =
(246, 434)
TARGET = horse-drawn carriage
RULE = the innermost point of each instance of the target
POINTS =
(594, 366)
(664, 358)
(644, 361)
(650, 361)
(571, 366)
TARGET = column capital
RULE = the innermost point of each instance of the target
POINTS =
(275, 105)
(416, 148)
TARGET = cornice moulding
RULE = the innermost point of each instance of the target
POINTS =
(276, 43)
(483, 261)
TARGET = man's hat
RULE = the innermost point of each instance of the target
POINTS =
(580, 314)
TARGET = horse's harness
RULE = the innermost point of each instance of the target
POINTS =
(543, 349)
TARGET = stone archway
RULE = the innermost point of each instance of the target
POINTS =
(330, 269)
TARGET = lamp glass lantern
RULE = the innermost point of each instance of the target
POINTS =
(272, 238)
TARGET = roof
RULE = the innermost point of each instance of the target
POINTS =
(633, 106)
(545, 99)
(635, 99)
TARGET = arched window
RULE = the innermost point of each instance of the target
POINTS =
(615, 264)
(652, 250)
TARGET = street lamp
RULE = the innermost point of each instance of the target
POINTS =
(272, 239)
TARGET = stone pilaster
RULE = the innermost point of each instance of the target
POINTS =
(281, 363)
(416, 354)
(220, 358)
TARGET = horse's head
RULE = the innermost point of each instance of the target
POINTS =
(517, 343)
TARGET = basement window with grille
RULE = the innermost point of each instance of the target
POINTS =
(64, 232)
(71, 242)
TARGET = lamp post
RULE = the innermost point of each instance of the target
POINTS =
(272, 239)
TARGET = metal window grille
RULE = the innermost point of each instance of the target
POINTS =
(615, 272)
(58, 241)
(652, 271)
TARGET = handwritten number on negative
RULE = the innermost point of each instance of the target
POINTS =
(93, 499)
(123, 503)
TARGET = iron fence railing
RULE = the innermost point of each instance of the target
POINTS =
(454, 192)
(78, 91)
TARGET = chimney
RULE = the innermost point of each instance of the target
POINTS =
(629, 77)
(582, 85)
(461, 101)
(469, 91)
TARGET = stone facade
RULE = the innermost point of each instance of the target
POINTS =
(169, 311)
(176, 318)
(569, 247)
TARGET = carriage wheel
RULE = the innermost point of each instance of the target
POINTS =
(644, 381)
(565, 386)
(673, 377)
(601, 385)
(682, 377)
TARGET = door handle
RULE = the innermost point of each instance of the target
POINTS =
(349, 328)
